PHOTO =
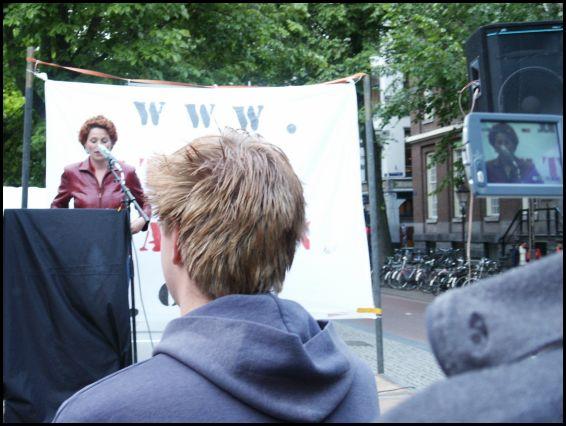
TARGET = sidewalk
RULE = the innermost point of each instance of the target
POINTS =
(409, 366)
(409, 294)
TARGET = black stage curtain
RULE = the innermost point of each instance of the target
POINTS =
(66, 311)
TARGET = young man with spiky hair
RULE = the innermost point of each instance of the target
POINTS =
(231, 211)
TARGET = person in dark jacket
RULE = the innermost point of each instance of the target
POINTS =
(500, 344)
(507, 167)
(232, 211)
(91, 184)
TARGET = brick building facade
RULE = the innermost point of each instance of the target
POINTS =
(437, 220)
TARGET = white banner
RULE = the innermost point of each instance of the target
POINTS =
(315, 125)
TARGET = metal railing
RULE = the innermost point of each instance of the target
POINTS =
(552, 217)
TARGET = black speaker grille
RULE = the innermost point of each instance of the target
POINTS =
(519, 65)
(526, 70)
(531, 90)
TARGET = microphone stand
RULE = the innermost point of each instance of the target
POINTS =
(128, 200)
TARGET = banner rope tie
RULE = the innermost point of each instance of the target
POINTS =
(353, 78)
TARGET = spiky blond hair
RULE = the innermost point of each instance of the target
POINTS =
(239, 208)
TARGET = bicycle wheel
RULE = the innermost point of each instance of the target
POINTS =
(421, 281)
(386, 281)
(462, 281)
(451, 282)
(407, 282)
(395, 281)
(430, 282)
(440, 283)
(469, 281)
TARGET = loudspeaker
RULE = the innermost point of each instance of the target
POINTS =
(519, 67)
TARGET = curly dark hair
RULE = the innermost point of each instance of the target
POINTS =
(101, 122)
(507, 130)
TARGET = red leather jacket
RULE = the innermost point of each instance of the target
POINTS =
(78, 181)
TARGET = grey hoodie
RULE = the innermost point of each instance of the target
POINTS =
(240, 358)
(500, 342)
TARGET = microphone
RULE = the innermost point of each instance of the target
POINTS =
(509, 156)
(129, 198)
(109, 157)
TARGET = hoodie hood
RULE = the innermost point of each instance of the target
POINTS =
(499, 320)
(265, 351)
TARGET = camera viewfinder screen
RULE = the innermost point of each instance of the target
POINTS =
(521, 153)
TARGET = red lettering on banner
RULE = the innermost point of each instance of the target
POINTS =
(305, 241)
(156, 233)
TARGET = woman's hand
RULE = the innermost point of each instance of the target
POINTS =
(137, 225)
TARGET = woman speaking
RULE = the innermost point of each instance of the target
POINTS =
(91, 183)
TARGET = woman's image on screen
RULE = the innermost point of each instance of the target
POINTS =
(508, 166)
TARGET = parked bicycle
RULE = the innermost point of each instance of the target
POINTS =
(435, 271)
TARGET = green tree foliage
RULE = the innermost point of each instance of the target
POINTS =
(237, 43)
(119, 39)
(203, 43)
(266, 44)
(425, 43)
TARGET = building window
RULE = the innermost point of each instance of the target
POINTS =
(406, 209)
(432, 199)
(492, 206)
(363, 162)
(430, 246)
(456, 157)
(408, 154)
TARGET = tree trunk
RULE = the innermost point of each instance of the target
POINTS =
(383, 234)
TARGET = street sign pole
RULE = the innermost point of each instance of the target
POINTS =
(26, 148)
(372, 190)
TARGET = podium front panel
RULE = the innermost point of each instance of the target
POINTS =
(66, 309)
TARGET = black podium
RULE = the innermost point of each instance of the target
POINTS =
(66, 310)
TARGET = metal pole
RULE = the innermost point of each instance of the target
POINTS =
(532, 251)
(27, 129)
(463, 211)
(372, 190)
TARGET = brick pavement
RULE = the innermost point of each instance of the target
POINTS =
(408, 366)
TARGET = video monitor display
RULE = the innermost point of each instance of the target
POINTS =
(515, 154)
(521, 152)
